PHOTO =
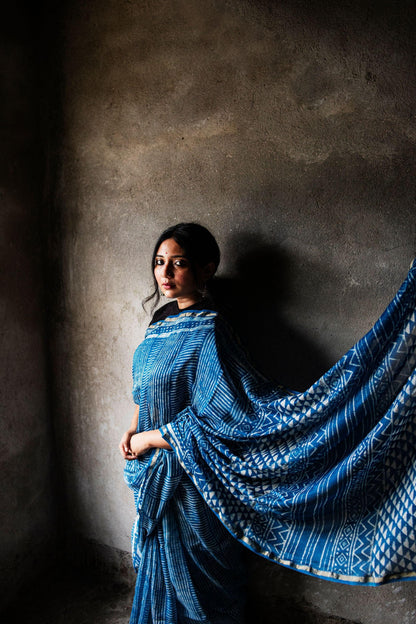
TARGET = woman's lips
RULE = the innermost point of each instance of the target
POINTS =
(167, 286)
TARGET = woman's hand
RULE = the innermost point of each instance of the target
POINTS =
(133, 444)
(125, 445)
(140, 443)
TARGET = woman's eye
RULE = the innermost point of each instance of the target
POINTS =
(181, 263)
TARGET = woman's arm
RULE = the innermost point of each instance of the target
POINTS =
(133, 444)
(142, 442)
(124, 446)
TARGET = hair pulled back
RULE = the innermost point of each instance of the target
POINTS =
(198, 244)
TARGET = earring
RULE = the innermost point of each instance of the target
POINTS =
(203, 291)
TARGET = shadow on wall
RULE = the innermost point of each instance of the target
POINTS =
(251, 301)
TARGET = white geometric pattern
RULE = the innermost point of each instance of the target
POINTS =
(323, 481)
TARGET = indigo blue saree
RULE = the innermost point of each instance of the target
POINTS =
(322, 481)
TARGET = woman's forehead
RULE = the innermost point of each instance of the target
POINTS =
(170, 248)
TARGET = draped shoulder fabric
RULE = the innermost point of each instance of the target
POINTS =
(322, 481)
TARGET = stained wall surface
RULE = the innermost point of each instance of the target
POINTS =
(27, 506)
(289, 130)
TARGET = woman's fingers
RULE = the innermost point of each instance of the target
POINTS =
(125, 449)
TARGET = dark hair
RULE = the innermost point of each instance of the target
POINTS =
(198, 243)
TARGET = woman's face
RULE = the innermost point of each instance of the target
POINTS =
(174, 274)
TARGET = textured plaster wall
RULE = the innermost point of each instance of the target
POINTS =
(287, 128)
(27, 509)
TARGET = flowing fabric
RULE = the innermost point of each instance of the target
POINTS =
(322, 481)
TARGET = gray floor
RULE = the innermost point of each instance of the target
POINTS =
(77, 598)
(72, 599)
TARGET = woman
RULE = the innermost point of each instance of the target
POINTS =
(322, 481)
(188, 565)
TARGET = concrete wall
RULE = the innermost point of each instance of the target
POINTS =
(288, 129)
(27, 509)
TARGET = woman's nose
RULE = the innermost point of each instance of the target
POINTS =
(168, 269)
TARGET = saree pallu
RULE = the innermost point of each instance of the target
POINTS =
(322, 481)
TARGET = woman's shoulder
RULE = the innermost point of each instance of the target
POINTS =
(166, 310)
(172, 309)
